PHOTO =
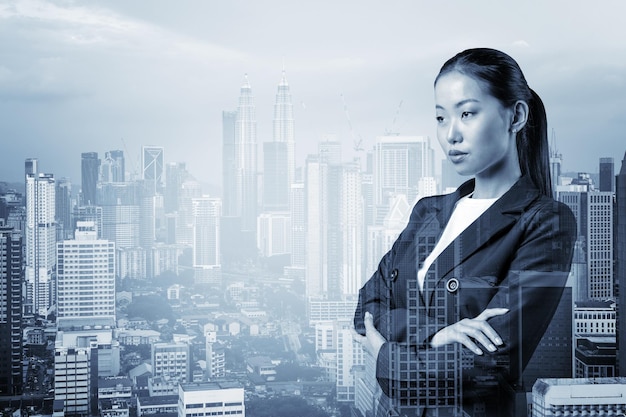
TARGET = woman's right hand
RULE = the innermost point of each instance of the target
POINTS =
(470, 332)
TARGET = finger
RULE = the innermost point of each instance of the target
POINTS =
(369, 322)
(474, 329)
(358, 337)
(491, 312)
(469, 343)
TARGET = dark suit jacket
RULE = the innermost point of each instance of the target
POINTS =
(516, 255)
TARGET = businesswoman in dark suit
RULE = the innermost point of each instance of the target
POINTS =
(458, 305)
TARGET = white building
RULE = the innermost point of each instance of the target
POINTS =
(274, 233)
(211, 399)
(206, 239)
(579, 396)
(72, 379)
(171, 361)
(595, 318)
(40, 240)
(85, 277)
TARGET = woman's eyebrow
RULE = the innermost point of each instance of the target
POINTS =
(460, 103)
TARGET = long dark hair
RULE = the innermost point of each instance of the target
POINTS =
(504, 80)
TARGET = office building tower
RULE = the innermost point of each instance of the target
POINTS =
(298, 225)
(334, 219)
(63, 208)
(329, 150)
(85, 278)
(89, 175)
(276, 184)
(10, 311)
(620, 265)
(206, 240)
(171, 361)
(31, 166)
(284, 127)
(595, 318)
(229, 164)
(73, 380)
(246, 151)
(594, 216)
(579, 397)
(151, 220)
(113, 167)
(189, 190)
(211, 399)
(350, 354)
(152, 164)
(607, 175)
(274, 233)
(175, 175)
(40, 241)
(399, 163)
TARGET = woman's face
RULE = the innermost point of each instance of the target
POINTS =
(473, 128)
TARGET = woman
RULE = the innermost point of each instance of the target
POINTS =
(457, 307)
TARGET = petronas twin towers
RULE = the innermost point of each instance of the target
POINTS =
(240, 160)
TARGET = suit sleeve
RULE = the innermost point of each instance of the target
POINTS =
(531, 288)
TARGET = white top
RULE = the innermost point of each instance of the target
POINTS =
(466, 211)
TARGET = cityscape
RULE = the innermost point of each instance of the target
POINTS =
(134, 289)
(191, 197)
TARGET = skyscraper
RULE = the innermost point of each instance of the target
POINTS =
(90, 172)
(113, 167)
(607, 176)
(399, 163)
(620, 266)
(40, 241)
(594, 217)
(206, 240)
(86, 278)
(152, 166)
(10, 311)
(246, 159)
(229, 164)
(284, 133)
(63, 208)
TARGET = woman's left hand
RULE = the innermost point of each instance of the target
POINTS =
(373, 340)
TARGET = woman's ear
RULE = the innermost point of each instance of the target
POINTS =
(520, 116)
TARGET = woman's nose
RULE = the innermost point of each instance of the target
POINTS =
(453, 134)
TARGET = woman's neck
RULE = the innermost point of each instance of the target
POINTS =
(494, 187)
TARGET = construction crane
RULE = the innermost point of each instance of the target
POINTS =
(356, 141)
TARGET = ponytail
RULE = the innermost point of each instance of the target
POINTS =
(532, 146)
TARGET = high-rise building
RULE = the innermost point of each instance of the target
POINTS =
(113, 167)
(152, 164)
(284, 126)
(620, 265)
(40, 241)
(89, 175)
(594, 217)
(556, 160)
(349, 355)
(274, 233)
(229, 164)
(206, 239)
(175, 175)
(63, 209)
(10, 311)
(85, 278)
(399, 164)
(298, 225)
(276, 184)
(334, 218)
(246, 152)
(607, 175)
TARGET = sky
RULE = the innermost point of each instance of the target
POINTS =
(93, 76)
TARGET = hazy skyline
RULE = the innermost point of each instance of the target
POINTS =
(78, 76)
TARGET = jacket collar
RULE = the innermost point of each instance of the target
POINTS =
(499, 217)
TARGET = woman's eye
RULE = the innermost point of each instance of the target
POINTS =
(439, 119)
(466, 114)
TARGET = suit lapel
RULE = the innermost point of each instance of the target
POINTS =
(498, 219)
